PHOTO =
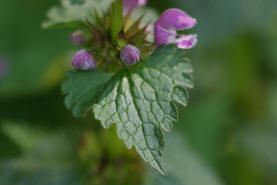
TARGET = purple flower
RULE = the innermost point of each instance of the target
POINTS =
(177, 19)
(168, 24)
(131, 5)
(130, 54)
(77, 38)
(83, 60)
(164, 36)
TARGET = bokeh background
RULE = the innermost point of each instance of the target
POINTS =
(226, 136)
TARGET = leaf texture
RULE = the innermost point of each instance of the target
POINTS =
(72, 12)
(141, 101)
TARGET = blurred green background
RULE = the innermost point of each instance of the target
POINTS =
(226, 136)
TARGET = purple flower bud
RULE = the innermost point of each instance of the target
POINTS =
(129, 6)
(186, 41)
(77, 38)
(130, 54)
(83, 60)
(177, 19)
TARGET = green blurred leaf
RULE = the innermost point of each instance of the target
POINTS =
(46, 157)
(74, 12)
(37, 142)
(30, 52)
(22, 135)
(185, 166)
(11, 173)
(207, 133)
(116, 19)
(8, 147)
(140, 100)
(260, 143)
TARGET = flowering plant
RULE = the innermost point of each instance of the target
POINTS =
(122, 75)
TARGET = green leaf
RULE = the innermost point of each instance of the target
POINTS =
(82, 90)
(140, 100)
(185, 166)
(73, 12)
(116, 18)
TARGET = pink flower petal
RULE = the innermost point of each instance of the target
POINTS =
(164, 36)
(177, 19)
(142, 2)
(186, 41)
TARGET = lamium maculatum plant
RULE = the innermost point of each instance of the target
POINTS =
(124, 76)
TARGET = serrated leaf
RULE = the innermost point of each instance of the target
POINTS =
(140, 100)
(73, 12)
(116, 18)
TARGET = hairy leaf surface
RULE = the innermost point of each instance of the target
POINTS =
(72, 12)
(140, 100)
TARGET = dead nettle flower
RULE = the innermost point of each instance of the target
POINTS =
(130, 54)
(83, 60)
(131, 5)
(77, 38)
(167, 25)
(165, 32)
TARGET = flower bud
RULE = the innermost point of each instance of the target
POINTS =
(77, 38)
(130, 54)
(83, 60)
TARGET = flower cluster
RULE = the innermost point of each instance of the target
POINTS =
(165, 32)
